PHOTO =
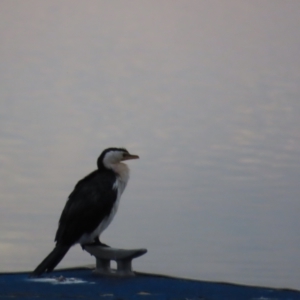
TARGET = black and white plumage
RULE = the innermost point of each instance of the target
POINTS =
(90, 207)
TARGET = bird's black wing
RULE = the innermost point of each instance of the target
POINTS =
(90, 202)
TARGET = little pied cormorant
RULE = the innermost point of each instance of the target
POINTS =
(90, 207)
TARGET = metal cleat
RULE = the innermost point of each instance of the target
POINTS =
(123, 258)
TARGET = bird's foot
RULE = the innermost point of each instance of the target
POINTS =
(98, 243)
(95, 243)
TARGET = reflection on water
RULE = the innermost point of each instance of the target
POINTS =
(210, 102)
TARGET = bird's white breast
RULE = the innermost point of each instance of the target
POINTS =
(122, 171)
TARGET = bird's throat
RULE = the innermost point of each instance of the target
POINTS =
(122, 171)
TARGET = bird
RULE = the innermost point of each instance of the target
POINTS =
(90, 207)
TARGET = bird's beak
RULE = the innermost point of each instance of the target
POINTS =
(130, 156)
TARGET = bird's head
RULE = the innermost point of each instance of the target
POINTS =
(112, 156)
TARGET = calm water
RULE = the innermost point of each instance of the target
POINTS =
(206, 93)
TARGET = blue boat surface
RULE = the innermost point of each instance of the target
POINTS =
(81, 283)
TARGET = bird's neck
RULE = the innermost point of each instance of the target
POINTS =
(122, 171)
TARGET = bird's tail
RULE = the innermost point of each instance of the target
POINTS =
(51, 261)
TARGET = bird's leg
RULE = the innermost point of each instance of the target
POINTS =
(95, 243)
(98, 243)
